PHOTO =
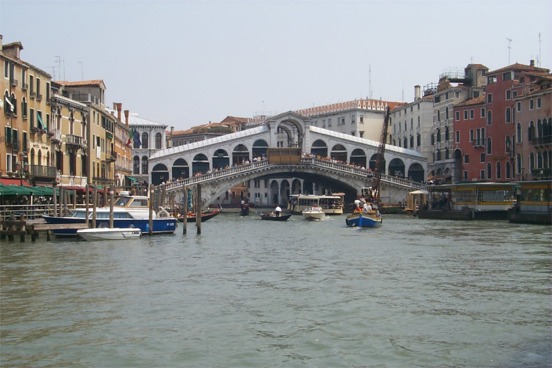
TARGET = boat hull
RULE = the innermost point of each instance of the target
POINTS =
(109, 234)
(204, 216)
(275, 218)
(160, 225)
(313, 215)
(363, 220)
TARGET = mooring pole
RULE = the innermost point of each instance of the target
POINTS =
(151, 190)
(198, 209)
(185, 214)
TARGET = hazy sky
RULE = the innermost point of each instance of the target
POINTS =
(185, 63)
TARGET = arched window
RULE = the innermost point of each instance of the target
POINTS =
(518, 133)
(158, 137)
(508, 115)
(489, 146)
(489, 171)
(498, 170)
(136, 165)
(489, 117)
(145, 165)
(145, 143)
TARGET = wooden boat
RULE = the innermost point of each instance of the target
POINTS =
(104, 233)
(314, 213)
(533, 203)
(205, 215)
(271, 216)
(362, 219)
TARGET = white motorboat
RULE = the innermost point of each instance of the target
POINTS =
(314, 213)
(103, 233)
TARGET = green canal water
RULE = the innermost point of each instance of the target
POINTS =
(252, 293)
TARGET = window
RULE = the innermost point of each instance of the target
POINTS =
(158, 141)
(531, 104)
(482, 112)
(466, 159)
(489, 117)
(489, 146)
(518, 106)
(489, 98)
(498, 170)
(145, 140)
(508, 95)
(471, 114)
(539, 103)
(508, 115)
(518, 133)
(482, 158)
(457, 115)
(144, 165)
(489, 170)
(457, 136)
(465, 114)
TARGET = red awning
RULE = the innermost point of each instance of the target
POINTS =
(14, 181)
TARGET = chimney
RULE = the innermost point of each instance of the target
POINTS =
(1, 38)
(417, 94)
(119, 108)
(532, 63)
(126, 118)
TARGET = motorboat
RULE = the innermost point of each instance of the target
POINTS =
(109, 233)
(314, 213)
(128, 212)
(364, 219)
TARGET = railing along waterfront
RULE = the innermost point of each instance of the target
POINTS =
(30, 212)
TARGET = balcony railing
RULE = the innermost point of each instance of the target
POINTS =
(74, 140)
(480, 143)
(55, 135)
(39, 171)
(542, 141)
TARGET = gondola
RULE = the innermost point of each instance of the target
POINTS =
(205, 215)
(272, 217)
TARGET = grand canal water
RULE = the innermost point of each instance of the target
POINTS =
(252, 293)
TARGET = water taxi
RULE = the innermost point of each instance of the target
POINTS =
(314, 213)
(109, 234)
(533, 203)
(331, 204)
(468, 201)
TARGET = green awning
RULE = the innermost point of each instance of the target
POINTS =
(42, 125)
(132, 179)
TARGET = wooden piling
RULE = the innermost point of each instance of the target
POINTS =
(198, 209)
(185, 214)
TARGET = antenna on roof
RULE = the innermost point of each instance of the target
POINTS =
(370, 81)
(509, 48)
(539, 58)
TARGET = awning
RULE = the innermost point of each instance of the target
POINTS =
(39, 118)
(8, 190)
(14, 181)
(132, 179)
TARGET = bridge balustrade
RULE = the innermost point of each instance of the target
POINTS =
(264, 164)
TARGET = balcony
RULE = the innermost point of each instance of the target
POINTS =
(24, 86)
(39, 97)
(542, 141)
(32, 95)
(13, 82)
(55, 136)
(43, 172)
(74, 140)
(479, 143)
(112, 157)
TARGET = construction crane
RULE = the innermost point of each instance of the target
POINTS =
(380, 161)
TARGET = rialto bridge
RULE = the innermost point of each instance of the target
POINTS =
(331, 161)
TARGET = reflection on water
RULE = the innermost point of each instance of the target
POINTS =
(254, 293)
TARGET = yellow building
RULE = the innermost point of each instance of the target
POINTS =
(25, 147)
(122, 149)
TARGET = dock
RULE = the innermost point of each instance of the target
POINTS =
(22, 228)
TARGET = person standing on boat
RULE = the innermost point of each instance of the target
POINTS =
(278, 211)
